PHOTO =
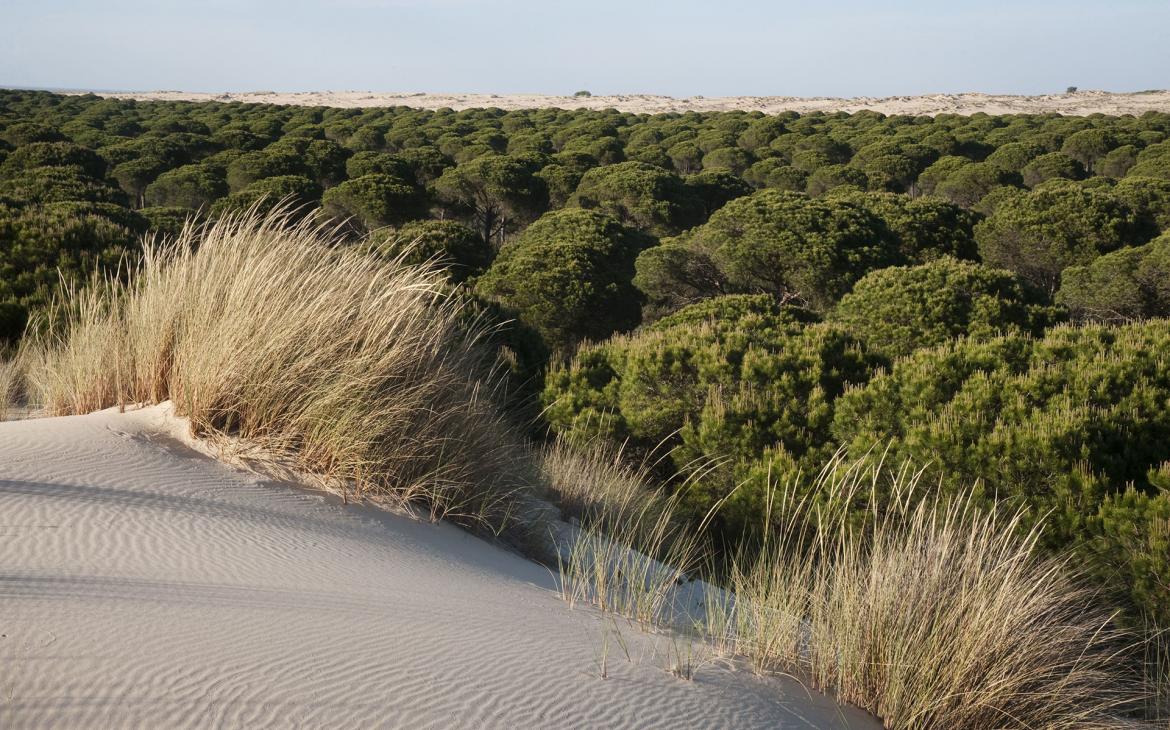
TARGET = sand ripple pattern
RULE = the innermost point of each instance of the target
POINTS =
(145, 585)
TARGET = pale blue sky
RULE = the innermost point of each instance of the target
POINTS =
(678, 47)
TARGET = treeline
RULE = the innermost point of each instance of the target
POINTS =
(732, 295)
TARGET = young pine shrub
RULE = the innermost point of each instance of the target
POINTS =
(929, 613)
(363, 371)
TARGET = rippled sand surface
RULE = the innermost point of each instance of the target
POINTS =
(143, 584)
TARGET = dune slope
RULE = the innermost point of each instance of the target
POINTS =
(143, 584)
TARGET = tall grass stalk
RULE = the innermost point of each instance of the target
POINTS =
(1157, 676)
(367, 372)
(11, 379)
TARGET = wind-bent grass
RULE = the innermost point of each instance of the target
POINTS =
(592, 483)
(365, 372)
(929, 614)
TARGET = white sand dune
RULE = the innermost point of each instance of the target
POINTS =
(1081, 103)
(143, 584)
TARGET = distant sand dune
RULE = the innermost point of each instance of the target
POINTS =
(145, 585)
(1080, 103)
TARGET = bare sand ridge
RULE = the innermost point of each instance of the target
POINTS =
(143, 584)
(1080, 103)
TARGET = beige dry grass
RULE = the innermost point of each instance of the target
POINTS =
(930, 613)
(367, 373)
(11, 378)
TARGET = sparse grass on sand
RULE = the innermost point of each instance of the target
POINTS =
(930, 613)
(628, 550)
(368, 373)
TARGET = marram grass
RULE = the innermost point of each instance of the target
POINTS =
(366, 372)
(929, 613)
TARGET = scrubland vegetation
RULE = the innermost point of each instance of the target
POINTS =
(693, 332)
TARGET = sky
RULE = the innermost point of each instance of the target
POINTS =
(674, 47)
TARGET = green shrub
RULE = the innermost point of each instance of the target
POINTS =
(293, 190)
(1058, 425)
(933, 176)
(639, 195)
(494, 194)
(1054, 165)
(1132, 283)
(373, 201)
(1149, 197)
(1014, 156)
(449, 243)
(901, 309)
(1118, 162)
(42, 185)
(252, 166)
(1089, 145)
(1040, 234)
(967, 184)
(382, 163)
(924, 228)
(727, 159)
(135, 175)
(785, 244)
(189, 186)
(587, 295)
(831, 177)
(1129, 540)
(714, 189)
(776, 173)
(167, 221)
(714, 385)
(53, 154)
(39, 245)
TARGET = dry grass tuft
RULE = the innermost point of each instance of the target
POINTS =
(11, 380)
(366, 372)
(594, 484)
(929, 614)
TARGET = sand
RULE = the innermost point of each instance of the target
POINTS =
(1079, 103)
(145, 584)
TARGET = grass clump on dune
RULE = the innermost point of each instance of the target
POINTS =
(927, 612)
(368, 373)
